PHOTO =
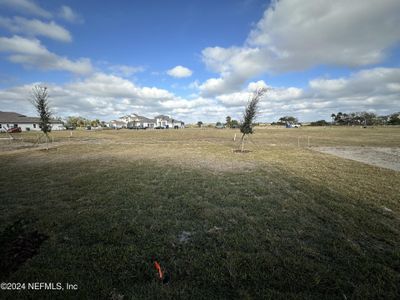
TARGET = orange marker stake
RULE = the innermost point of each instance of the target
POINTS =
(158, 268)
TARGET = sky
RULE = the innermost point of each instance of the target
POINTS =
(201, 60)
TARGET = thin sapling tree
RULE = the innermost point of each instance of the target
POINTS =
(40, 99)
(250, 114)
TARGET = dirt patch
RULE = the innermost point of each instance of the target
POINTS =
(18, 244)
(383, 157)
(240, 151)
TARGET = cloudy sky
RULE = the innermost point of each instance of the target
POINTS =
(200, 60)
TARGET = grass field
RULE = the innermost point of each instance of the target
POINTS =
(281, 222)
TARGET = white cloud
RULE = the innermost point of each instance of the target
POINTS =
(26, 6)
(31, 53)
(187, 104)
(36, 28)
(101, 85)
(108, 96)
(274, 95)
(365, 83)
(179, 72)
(69, 15)
(375, 90)
(125, 70)
(296, 35)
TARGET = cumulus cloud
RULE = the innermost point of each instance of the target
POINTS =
(69, 15)
(36, 27)
(125, 70)
(296, 35)
(375, 90)
(371, 88)
(27, 7)
(179, 72)
(109, 96)
(274, 95)
(106, 85)
(31, 53)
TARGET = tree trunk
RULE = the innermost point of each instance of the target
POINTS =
(47, 142)
(243, 136)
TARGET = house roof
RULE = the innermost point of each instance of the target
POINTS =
(116, 122)
(137, 118)
(167, 118)
(144, 119)
(16, 118)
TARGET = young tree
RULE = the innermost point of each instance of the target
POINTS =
(40, 99)
(250, 114)
(228, 122)
(199, 124)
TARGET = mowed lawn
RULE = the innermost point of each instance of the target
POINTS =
(281, 222)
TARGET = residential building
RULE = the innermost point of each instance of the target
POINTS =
(137, 121)
(167, 122)
(13, 120)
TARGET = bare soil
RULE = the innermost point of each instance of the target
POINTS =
(383, 157)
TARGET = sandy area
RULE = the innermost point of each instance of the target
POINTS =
(383, 157)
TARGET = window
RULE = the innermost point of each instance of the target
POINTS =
(34, 125)
(15, 125)
(0, 125)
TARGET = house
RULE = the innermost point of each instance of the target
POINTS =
(167, 122)
(13, 120)
(137, 121)
(116, 124)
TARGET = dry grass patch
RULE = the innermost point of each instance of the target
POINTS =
(278, 222)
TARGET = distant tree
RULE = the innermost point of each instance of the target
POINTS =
(228, 122)
(40, 99)
(250, 114)
(199, 124)
(358, 118)
(319, 123)
(95, 123)
(234, 124)
(394, 119)
(368, 118)
(333, 116)
(72, 121)
(218, 124)
(81, 122)
(288, 120)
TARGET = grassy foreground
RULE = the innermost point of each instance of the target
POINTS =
(279, 222)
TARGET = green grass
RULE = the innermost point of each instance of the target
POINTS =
(278, 222)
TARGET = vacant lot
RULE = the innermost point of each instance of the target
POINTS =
(282, 221)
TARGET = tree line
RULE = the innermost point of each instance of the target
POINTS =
(365, 118)
(340, 118)
(83, 122)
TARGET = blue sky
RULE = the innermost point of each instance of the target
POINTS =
(200, 60)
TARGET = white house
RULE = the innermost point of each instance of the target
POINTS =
(116, 124)
(137, 121)
(13, 120)
(167, 122)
